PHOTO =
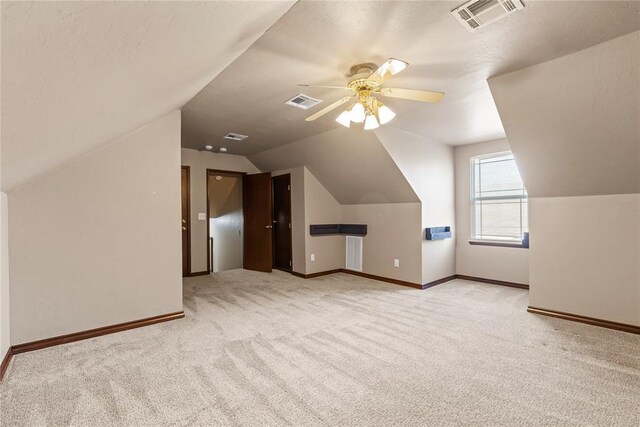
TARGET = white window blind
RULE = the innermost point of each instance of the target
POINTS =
(498, 199)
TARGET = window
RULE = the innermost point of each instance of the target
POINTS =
(498, 199)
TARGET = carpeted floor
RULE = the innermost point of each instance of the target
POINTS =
(260, 349)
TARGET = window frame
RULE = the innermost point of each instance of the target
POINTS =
(474, 240)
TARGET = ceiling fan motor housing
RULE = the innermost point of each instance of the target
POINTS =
(366, 80)
(359, 75)
(363, 68)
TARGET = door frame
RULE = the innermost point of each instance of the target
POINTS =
(273, 208)
(188, 220)
(213, 172)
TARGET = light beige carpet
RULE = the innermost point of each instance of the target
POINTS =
(260, 349)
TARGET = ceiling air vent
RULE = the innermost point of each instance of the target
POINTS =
(303, 101)
(235, 136)
(480, 13)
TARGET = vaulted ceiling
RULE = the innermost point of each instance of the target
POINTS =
(76, 75)
(318, 42)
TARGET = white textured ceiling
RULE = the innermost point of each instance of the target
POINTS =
(317, 42)
(78, 74)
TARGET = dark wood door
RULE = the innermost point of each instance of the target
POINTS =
(186, 221)
(281, 195)
(256, 209)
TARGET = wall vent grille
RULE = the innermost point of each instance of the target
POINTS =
(354, 253)
(480, 13)
(303, 101)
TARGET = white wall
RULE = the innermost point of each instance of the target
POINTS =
(97, 242)
(5, 318)
(488, 262)
(364, 184)
(585, 256)
(321, 208)
(428, 166)
(199, 162)
(393, 232)
(572, 124)
(435, 185)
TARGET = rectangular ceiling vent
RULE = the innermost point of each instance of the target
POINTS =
(480, 13)
(303, 101)
(235, 136)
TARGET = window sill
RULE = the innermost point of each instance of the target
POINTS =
(498, 243)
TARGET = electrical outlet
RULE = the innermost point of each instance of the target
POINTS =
(313, 257)
(202, 216)
(396, 263)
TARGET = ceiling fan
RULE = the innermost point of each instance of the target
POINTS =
(366, 82)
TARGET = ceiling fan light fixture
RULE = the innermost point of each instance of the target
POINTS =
(371, 122)
(385, 114)
(357, 114)
(367, 84)
(344, 118)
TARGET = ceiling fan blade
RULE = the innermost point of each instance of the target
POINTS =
(325, 110)
(390, 67)
(328, 87)
(416, 95)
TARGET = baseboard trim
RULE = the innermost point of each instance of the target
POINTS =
(198, 273)
(318, 274)
(439, 281)
(411, 284)
(5, 362)
(358, 273)
(493, 281)
(382, 279)
(92, 333)
(585, 319)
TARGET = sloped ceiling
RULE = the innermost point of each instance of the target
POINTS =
(574, 123)
(220, 192)
(318, 41)
(78, 74)
(426, 165)
(353, 166)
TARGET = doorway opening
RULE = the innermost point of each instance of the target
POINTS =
(282, 237)
(248, 221)
(225, 221)
(185, 195)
